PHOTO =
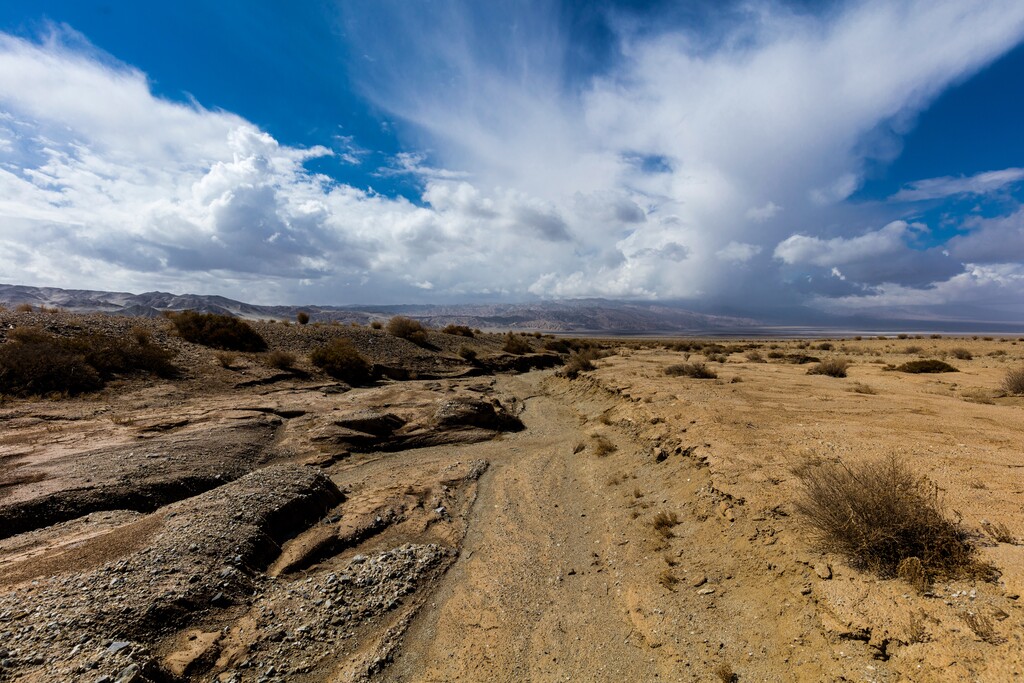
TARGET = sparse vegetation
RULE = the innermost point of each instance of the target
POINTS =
(754, 356)
(982, 627)
(879, 514)
(225, 358)
(602, 446)
(341, 360)
(23, 308)
(694, 370)
(1013, 382)
(961, 353)
(558, 346)
(407, 328)
(458, 330)
(280, 360)
(217, 331)
(516, 344)
(926, 366)
(663, 523)
(725, 673)
(302, 317)
(34, 362)
(580, 362)
(833, 367)
(998, 532)
(467, 354)
(668, 579)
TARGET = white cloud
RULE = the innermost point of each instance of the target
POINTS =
(633, 183)
(738, 252)
(761, 214)
(948, 186)
(800, 249)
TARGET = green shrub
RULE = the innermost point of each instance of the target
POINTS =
(517, 345)
(879, 514)
(341, 360)
(458, 330)
(694, 370)
(833, 367)
(407, 328)
(926, 366)
(218, 331)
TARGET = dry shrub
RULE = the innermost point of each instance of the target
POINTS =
(341, 360)
(668, 579)
(879, 514)
(999, 532)
(407, 328)
(23, 308)
(580, 362)
(717, 358)
(663, 523)
(982, 627)
(302, 317)
(467, 354)
(376, 325)
(602, 446)
(218, 331)
(755, 356)
(725, 673)
(926, 366)
(860, 388)
(913, 348)
(961, 353)
(1013, 382)
(517, 345)
(458, 331)
(558, 345)
(912, 572)
(34, 362)
(280, 360)
(694, 370)
(833, 367)
(225, 358)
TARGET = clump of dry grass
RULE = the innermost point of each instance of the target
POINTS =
(961, 353)
(725, 673)
(582, 361)
(407, 328)
(833, 367)
(878, 514)
(280, 360)
(860, 388)
(602, 446)
(998, 532)
(663, 523)
(668, 579)
(982, 627)
(932, 365)
(694, 370)
(1013, 382)
(225, 358)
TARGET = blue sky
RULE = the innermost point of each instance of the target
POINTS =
(852, 157)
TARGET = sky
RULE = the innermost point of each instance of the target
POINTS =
(855, 157)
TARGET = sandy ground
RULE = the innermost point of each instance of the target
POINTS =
(469, 552)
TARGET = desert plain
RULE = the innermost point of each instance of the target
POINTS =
(485, 516)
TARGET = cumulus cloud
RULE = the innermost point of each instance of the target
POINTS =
(656, 175)
(948, 186)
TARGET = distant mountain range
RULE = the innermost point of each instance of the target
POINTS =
(577, 315)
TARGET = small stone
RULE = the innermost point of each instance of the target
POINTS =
(706, 591)
(130, 674)
(104, 679)
(698, 581)
(118, 646)
(823, 571)
(359, 559)
(220, 600)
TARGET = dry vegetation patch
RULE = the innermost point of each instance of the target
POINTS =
(694, 370)
(880, 514)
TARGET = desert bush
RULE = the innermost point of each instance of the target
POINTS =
(776, 354)
(825, 346)
(225, 358)
(341, 360)
(926, 366)
(663, 523)
(280, 360)
(23, 308)
(879, 514)
(602, 446)
(467, 354)
(302, 317)
(755, 356)
(558, 346)
(694, 370)
(34, 362)
(582, 361)
(717, 358)
(1013, 382)
(376, 325)
(516, 345)
(901, 335)
(859, 388)
(407, 328)
(833, 367)
(458, 330)
(913, 348)
(998, 531)
(218, 331)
